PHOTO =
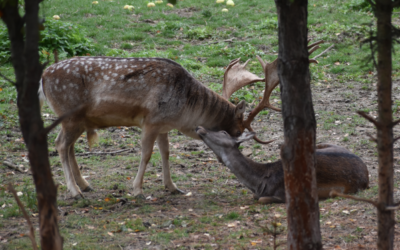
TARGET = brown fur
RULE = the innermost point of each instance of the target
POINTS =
(336, 168)
(154, 94)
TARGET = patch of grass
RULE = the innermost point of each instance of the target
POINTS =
(232, 216)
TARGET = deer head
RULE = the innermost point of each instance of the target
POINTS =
(236, 76)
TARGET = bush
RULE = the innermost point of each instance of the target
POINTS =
(69, 39)
(65, 37)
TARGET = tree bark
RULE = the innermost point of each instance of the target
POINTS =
(297, 153)
(28, 71)
(383, 12)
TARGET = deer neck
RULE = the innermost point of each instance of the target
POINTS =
(253, 175)
(209, 110)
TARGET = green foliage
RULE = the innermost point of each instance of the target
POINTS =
(5, 45)
(199, 33)
(29, 198)
(266, 24)
(65, 37)
(357, 5)
(69, 39)
(233, 216)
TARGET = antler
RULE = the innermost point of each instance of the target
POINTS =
(238, 77)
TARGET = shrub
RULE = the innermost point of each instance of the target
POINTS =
(69, 39)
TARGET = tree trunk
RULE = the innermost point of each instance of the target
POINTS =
(28, 71)
(385, 124)
(299, 127)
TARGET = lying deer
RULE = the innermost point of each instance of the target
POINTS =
(336, 168)
(155, 94)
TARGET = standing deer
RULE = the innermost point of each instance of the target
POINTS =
(155, 94)
(336, 168)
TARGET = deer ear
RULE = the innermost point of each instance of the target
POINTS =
(240, 108)
(247, 135)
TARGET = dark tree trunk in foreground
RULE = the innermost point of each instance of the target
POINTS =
(28, 71)
(385, 124)
(299, 127)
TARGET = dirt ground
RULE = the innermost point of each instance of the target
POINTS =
(217, 212)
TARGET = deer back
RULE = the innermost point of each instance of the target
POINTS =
(137, 92)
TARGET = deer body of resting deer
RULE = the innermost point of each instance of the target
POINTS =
(336, 168)
(155, 94)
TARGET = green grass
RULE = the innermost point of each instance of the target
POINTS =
(204, 40)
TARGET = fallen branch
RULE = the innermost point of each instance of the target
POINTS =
(12, 166)
(323, 52)
(104, 153)
(335, 193)
(230, 40)
(21, 206)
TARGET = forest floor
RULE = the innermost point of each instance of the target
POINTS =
(217, 211)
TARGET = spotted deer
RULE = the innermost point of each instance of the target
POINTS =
(336, 168)
(155, 94)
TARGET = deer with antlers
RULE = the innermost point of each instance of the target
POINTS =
(155, 94)
(237, 79)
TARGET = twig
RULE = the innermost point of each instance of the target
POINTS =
(10, 165)
(21, 206)
(7, 79)
(314, 44)
(372, 138)
(103, 153)
(335, 193)
(369, 118)
(391, 208)
(323, 52)
(395, 139)
(395, 123)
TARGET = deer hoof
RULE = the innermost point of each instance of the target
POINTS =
(78, 196)
(88, 189)
(178, 191)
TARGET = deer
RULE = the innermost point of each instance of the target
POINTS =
(155, 94)
(337, 169)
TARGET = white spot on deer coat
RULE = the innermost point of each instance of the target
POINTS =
(106, 77)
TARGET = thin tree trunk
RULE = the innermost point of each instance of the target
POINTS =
(385, 128)
(299, 127)
(28, 71)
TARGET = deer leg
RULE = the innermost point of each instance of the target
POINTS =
(148, 139)
(82, 183)
(64, 141)
(163, 145)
